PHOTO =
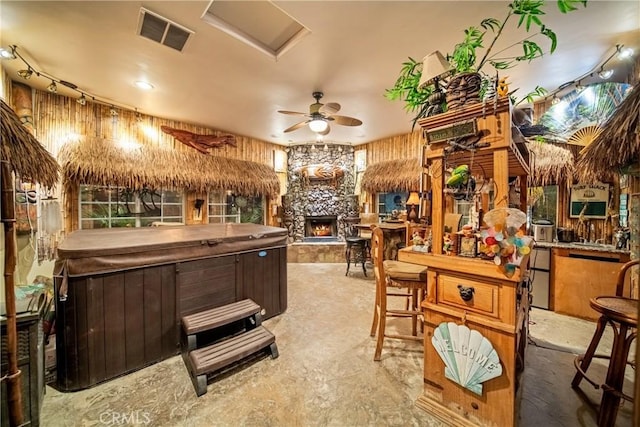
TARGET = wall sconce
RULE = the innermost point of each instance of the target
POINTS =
(413, 201)
(197, 209)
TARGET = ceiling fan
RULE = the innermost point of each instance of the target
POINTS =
(320, 115)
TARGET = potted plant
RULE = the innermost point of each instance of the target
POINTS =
(464, 58)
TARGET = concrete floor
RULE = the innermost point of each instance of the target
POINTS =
(326, 376)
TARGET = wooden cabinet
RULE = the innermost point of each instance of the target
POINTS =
(469, 296)
(579, 275)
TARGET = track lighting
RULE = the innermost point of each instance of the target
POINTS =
(113, 112)
(554, 100)
(28, 71)
(8, 53)
(26, 74)
(625, 52)
(605, 74)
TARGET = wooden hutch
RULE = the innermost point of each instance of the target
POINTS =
(498, 306)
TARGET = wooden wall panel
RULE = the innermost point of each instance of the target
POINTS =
(59, 119)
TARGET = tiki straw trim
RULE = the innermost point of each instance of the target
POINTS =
(97, 161)
(618, 144)
(392, 175)
(550, 164)
(27, 157)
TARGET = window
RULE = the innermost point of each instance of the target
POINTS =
(543, 203)
(228, 207)
(108, 207)
(388, 202)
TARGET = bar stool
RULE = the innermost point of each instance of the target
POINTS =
(356, 246)
(621, 313)
(391, 277)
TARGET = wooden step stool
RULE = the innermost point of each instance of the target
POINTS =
(202, 357)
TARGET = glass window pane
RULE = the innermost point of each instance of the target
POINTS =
(172, 210)
(89, 224)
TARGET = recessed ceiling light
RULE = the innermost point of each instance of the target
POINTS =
(144, 85)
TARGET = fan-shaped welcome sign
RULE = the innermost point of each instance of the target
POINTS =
(469, 357)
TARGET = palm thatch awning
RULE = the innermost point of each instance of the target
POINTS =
(96, 161)
(550, 164)
(26, 156)
(618, 145)
(392, 175)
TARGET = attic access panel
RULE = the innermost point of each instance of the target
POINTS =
(260, 24)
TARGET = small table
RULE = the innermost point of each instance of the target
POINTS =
(394, 233)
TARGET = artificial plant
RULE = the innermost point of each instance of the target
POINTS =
(464, 57)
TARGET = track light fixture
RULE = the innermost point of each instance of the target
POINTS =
(8, 53)
(26, 74)
(605, 74)
(28, 71)
(600, 70)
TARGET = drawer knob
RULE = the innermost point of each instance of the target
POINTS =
(466, 292)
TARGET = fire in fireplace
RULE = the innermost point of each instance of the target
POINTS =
(321, 226)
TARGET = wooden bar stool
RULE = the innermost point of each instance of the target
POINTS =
(622, 314)
(356, 248)
(392, 276)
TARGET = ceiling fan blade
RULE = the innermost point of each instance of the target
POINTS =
(293, 113)
(295, 127)
(329, 108)
(326, 131)
(345, 120)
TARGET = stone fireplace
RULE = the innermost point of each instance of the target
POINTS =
(321, 183)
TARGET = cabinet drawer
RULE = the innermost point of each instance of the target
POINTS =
(483, 300)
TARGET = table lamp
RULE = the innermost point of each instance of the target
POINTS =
(434, 68)
(413, 201)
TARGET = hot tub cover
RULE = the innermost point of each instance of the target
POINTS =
(88, 252)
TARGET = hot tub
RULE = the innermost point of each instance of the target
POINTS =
(120, 293)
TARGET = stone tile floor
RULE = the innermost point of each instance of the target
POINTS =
(326, 376)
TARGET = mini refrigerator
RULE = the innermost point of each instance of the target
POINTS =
(540, 277)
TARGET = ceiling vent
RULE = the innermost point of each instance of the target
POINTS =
(162, 30)
(260, 24)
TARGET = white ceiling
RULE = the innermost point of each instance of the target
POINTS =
(354, 51)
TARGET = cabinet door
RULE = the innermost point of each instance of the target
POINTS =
(262, 276)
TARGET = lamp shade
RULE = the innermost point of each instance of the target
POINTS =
(414, 198)
(434, 66)
(318, 125)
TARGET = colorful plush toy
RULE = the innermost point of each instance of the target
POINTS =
(503, 87)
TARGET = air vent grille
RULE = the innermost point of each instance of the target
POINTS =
(162, 30)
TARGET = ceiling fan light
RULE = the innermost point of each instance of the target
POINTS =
(318, 125)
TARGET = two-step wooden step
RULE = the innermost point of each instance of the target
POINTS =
(202, 359)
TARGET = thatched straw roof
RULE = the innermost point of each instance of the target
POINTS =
(618, 145)
(96, 161)
(27, 157)
(392, 175)
(550, 164)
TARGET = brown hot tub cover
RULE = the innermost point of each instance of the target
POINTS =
(96, 251)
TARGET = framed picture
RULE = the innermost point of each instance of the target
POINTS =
(468, 246)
